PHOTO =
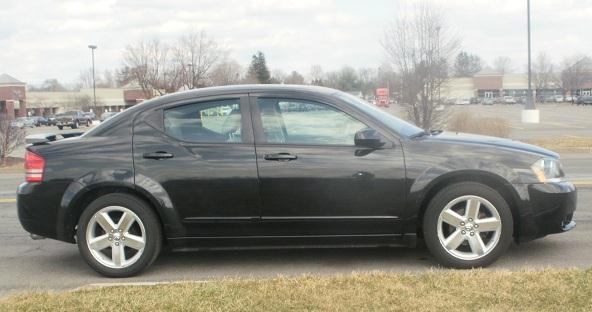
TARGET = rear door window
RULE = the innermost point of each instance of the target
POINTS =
(205, 122)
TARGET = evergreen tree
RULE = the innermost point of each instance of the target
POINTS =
(258, 68)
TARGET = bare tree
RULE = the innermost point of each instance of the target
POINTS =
(575, 71)
(420, 46)
(10, 138)
(544, 72)
(467, 65)
(294, 78)
(150, 64)
(195, 54)
(85, 78)
(316, 75)
(502, 65)
(225, 73)
(278, 76)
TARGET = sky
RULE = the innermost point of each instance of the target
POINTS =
(48, 39)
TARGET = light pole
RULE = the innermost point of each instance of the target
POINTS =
(530, 114)
(92, 48)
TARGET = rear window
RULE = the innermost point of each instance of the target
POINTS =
(205, 122)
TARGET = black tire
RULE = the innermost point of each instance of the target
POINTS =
(61, 127)
(151, 224)
(447, 195)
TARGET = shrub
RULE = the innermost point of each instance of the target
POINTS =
(465, 121)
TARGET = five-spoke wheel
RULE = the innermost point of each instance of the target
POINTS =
(116, 237)
(467, 225)
(119, 235)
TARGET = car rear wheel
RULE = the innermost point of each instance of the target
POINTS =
(61, 127)
(467, 225)
(119, 235)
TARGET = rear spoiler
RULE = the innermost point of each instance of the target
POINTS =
(41, 138)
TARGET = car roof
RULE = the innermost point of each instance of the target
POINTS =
(247, 88)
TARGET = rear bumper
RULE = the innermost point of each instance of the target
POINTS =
(37, 208)
(547, 209)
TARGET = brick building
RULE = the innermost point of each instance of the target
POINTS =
(13, 96)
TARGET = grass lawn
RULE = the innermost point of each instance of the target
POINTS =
(577, 145)
(478, 290)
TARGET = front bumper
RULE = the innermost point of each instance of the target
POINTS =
(546, 209)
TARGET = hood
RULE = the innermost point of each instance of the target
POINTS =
(465, 138)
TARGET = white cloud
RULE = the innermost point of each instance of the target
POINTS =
(49, 38)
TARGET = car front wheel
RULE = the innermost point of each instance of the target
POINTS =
(119, 235)
(467, 225)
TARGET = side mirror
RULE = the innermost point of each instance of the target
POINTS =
(368, 138)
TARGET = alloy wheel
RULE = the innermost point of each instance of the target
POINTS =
(115, 237)
(469, 227)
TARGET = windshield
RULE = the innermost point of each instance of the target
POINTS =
(397, 125)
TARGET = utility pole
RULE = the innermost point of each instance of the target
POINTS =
(530, 114)
(92, 48)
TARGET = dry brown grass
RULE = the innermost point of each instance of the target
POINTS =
(13, 165)
(465, 121)
(478, 290)
(581, 145)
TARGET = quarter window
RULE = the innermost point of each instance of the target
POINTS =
(305, 122)
(213, 122)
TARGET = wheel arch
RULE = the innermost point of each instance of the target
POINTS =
(492, 180)
(72, 208)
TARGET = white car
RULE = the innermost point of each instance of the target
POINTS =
(462, 102)
(509, 100)
(559, 98)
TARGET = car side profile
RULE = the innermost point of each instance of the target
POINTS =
(72, 119)
(280, 166)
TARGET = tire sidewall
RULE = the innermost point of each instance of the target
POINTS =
(445, 196)
(151, 226)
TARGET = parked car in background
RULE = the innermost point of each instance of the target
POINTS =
(166, 172)
(107, 115)
(39, 121)
(509, 100)
(488, 101)
(585, 100)
(24, 122)
(475, 100)
(51, 120)
(72, 119)
(559, 99)
(90, 115)
(463, 101)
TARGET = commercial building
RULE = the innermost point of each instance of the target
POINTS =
(16, 101)
(13, 96)
(489, 84)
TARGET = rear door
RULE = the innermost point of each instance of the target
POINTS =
(201, 153)
(314, 180)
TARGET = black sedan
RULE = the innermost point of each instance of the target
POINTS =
(284, 166)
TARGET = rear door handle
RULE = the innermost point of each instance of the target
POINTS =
(158, 155)
(280, 157)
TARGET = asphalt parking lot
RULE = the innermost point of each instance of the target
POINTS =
(51, 265)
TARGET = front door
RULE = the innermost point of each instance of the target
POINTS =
(202, 154)
(314, 181)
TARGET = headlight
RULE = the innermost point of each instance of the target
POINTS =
(548, 170)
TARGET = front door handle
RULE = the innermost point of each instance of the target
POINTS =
(280, 157)
(158, 155)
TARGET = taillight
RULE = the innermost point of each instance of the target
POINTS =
(34, 167)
